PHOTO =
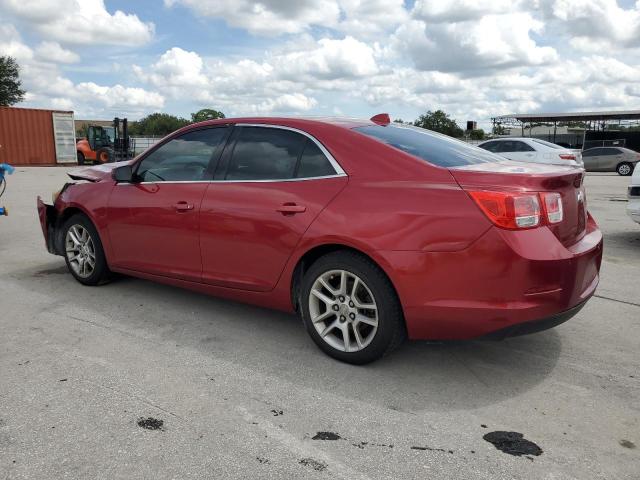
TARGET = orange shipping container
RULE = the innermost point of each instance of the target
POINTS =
(27, 137)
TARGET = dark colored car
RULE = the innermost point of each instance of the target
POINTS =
(371, 231)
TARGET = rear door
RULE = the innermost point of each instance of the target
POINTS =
(270, 184)
(590, 158)
(517, 150)
(154, 222)
(609, 159)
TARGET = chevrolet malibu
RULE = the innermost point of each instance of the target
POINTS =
(371, 231)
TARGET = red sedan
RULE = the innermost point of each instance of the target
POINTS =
(372, 231)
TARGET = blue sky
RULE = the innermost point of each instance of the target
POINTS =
(472, 58)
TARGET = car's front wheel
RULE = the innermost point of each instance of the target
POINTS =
(350, 308)
(83, 251)
(625, 169)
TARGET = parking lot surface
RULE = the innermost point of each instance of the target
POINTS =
(242, 391)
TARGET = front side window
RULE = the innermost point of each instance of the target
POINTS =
(265, 154)
(432, 147)
(184, 158)
(490, 146)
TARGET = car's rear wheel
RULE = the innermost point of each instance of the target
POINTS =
(625, 169)
(350, 308)
(83, 251)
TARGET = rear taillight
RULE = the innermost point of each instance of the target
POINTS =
(552, 206)
(509, 210)
(516, 211)
(567, 156)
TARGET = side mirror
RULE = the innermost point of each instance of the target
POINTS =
(123, 174)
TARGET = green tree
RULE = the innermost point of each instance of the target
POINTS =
(10, 91)
(157, 124)
(477, 134)
(206, 114)
(439, 121)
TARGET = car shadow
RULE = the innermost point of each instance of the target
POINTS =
(419, 376)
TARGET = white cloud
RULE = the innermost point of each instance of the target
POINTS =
(591, 20)
(80, 22)
(53, 52)
(11, 44)
(267, 17)
(459, 10)
(489, 43)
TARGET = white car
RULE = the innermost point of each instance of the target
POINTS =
(533, 150)
(633, 207)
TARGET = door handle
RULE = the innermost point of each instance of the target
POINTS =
(291, 209)
(183, 206)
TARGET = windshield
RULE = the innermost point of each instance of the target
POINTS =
(548, 144)
(432, 147)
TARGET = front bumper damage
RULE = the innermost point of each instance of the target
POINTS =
(49, 222)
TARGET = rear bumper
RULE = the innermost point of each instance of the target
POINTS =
(633, 209)
(500, 283)
(49, 223)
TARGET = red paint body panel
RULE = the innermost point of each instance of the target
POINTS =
(457, 275)
(245, 240)
(150, 233)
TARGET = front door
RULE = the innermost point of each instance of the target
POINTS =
(154, 222)
(270, 185)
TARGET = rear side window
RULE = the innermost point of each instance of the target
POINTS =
(548, 144)
(313, 163)
(514, 146)
(265, 154)
(184, 158)
(593, 152)
(610, 151)
(432, 147)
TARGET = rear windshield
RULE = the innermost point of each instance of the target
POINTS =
(435, 148)
(548, 144)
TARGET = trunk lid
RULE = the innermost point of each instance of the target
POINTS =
(528, 177)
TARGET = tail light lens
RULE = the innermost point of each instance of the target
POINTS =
(567, 156)
(515, 211)
(552, 207)
(509, 210)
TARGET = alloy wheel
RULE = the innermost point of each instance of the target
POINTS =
(624, 169)
(80, 251)
(343, 310)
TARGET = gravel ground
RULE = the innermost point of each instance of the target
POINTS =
(135, 380)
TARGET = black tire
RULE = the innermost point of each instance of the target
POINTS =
(104, 155)
(391, 330)
(80, 158)
(101, 273)
(625, 169)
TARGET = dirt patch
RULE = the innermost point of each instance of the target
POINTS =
(277, 413)
(431, 449)
(262, 460)
(512, 443)
(151, 423)
(51, 271)
(326, 436)
(627, 444)
(315, 464)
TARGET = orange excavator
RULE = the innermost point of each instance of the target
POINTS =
(105, 144)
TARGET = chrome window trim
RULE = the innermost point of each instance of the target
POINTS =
(271, 180)
(334, 163)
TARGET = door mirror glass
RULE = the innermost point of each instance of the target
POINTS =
(123, 174)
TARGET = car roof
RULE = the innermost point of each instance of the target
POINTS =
(344, 122)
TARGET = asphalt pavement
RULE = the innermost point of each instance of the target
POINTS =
(135, 380)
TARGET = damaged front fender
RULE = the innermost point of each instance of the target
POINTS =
(49, 224)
